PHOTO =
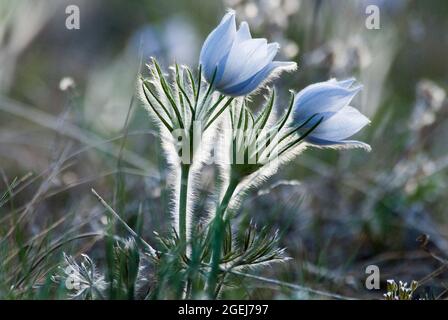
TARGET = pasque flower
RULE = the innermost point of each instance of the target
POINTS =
(235, 63)
(328, 102)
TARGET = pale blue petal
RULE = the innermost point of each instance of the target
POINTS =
(323, 97)
(272, 50)
(341, 125)
(217, 45)
(221, 67)
(251, 84)
(256, 62)
(347, 83)
(243, 60)
(244, 32)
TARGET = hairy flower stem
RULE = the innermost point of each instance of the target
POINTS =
(185, 172)
(218, 227)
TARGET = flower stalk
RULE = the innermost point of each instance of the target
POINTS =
(185, 174)
(217, 235)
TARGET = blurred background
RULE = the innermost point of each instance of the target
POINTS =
(69, 122)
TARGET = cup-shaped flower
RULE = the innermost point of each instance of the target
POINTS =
(328, 102)
(235, 63)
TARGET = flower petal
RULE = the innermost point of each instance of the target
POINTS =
(347, 83)
(218, 44)
(341, 125)
(257, 62)
(243, 32)
(324, 97)
(251, 84)
(245, 59)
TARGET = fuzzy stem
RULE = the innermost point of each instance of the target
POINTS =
(185, 172)
(218, 234)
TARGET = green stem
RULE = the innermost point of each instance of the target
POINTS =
(185, 172)
(218, 234)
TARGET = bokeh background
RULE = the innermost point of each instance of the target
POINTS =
(68, 122)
